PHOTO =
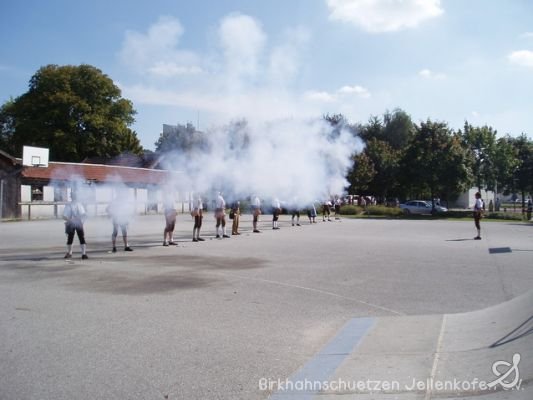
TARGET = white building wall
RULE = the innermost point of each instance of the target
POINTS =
(98, 198)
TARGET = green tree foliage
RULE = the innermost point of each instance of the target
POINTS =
(361, 174)
(398, 129)
(7, 128)
(523, 174)
(481, 143)
(75, 111)
(505, 163)
(434, 164)
(386, 141)
(386, 162)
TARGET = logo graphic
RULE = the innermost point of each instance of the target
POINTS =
(502, 377)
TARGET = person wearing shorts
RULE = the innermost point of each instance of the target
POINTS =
(74, 216)
(220, 216)
(197, 214)
(256, 212)
(478, 213)
(170, 223)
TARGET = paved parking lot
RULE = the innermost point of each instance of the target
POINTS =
(209, 320)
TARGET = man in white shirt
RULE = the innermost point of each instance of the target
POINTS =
(220, 215)
(276, 211)
(478, 212)
(256, 212)
(74, 216)
(197, 213)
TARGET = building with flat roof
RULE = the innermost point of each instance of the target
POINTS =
(40, 192)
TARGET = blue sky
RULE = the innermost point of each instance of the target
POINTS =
(213, 61)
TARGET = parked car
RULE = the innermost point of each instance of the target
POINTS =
(421, 207)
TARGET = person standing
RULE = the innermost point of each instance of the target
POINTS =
(276, 211)
(529, 208)
(120, 211)
(337, 205)
(74, 216)
(256, 212)
(236, 213)
(170, 223)
(220, 216)
(197, 214)
(326, 206)
(478, 213)
(311, 213)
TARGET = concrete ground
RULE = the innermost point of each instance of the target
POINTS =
(381, 300)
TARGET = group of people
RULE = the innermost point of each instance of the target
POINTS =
(121, 212)
(118, 210)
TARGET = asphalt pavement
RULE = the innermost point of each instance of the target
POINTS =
(386, 300)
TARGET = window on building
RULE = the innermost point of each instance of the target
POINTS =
(36, 192)
(60, 193)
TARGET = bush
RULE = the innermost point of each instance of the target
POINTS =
(502, 215)
(384, 211)
(458, 214)
(350, 210)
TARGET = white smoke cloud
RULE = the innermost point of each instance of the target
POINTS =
(280, 152)
(286, 159)
(377, 16)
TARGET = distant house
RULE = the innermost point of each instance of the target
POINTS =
(30, 192)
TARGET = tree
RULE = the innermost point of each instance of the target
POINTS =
(481, 142)
(435, 162)
(385, 161)
(361, 174)
(398, 128)
(523, 174)
(6, 128)
(505, 163)
(386, 142)
(75, 111)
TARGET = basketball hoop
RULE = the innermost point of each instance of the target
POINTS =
(34, 156)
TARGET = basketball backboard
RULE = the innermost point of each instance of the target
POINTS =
(34, 156)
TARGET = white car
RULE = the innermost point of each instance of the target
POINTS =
(421, 207)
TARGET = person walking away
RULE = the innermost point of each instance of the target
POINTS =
(74, 216)
(478, 213)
